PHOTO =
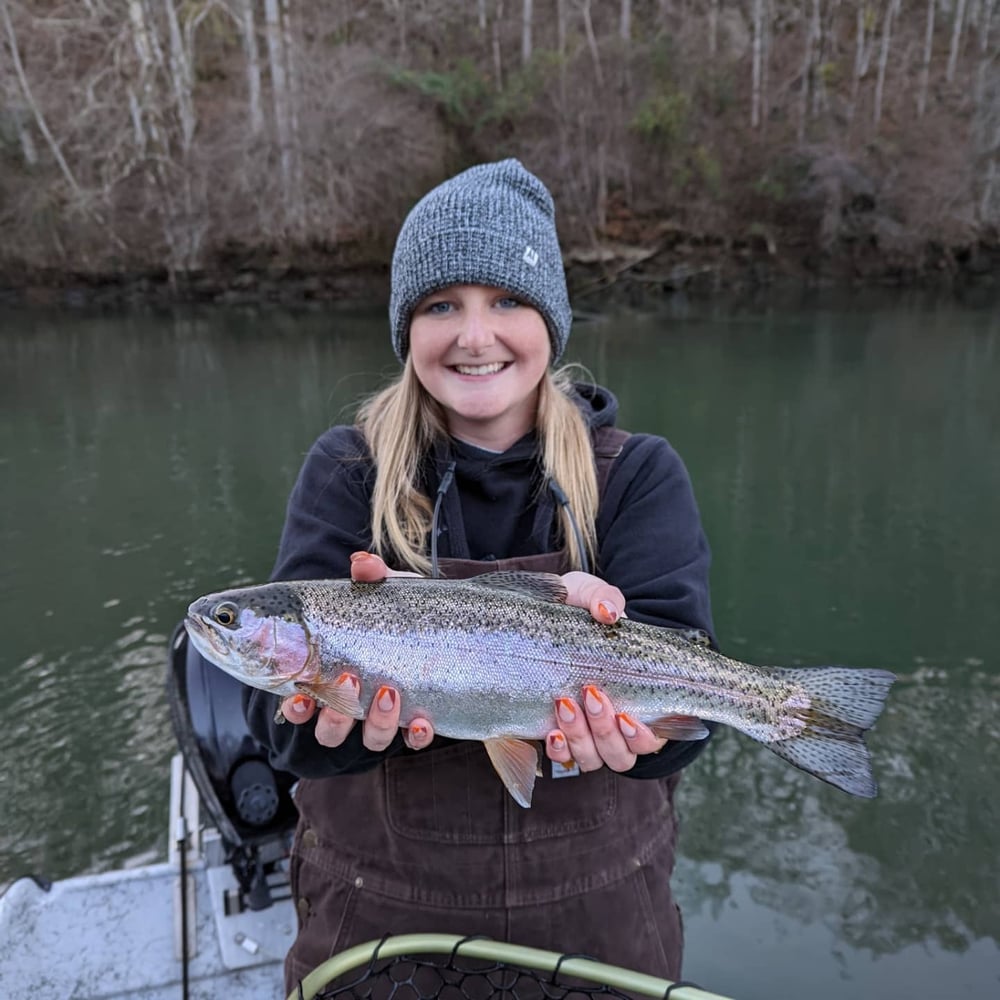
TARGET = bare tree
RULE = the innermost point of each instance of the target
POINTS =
(757, 64)
(248, 34)
(891, 10)
(36, 112)
(956, 40)
(526, 16)
(813, 32)
(925, 62)
(497, 50)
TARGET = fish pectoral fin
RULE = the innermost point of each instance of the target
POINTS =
(516, 761)
(341, 698)
(679, 727)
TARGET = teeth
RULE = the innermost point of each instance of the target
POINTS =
(479, 369)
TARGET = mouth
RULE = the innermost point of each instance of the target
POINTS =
(203, 635)
(481, 370)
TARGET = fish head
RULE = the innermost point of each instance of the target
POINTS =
(257, 634)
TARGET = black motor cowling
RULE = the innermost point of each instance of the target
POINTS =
(249, 801)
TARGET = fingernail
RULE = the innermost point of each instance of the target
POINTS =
(607, 613)
(592, 700)
(558, 742)
(346, 678)
(386, 698)
(300, 704)
(629, 729)
(357, 557)
(565, 710)
(418, 732)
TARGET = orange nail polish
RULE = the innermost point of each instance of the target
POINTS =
(347, 678)
(557, 742)
(592, 700)
(386, 698)
(418, 732)
(607, 613)
(357, 557)
(627, 726)
(300, 703)
(565, 709)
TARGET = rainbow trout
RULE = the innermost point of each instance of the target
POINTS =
(485, 659)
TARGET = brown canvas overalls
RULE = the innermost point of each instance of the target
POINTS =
(432, 842)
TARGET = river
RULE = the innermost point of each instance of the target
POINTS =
(846, 458)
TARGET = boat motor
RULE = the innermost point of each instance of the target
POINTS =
(248, 801)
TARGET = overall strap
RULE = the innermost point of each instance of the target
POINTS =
(608, 444)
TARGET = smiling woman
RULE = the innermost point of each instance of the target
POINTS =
(481, 458)
(481, 353)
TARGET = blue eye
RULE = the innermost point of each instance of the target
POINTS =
(508, 302)
(438, 308)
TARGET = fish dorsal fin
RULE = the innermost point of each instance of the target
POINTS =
(541, 586)
(696, 636)
(679, 727)
(516, 761)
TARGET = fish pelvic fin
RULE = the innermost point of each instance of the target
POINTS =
(843, 704)
(516, 761)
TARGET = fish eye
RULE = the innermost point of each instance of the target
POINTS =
(226, 614)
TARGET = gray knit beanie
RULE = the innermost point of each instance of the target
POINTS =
(493, 224)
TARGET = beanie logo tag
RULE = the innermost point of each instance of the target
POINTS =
(530, 256)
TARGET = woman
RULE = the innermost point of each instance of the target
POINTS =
(479, 458)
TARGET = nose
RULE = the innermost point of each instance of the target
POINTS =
(477, 334)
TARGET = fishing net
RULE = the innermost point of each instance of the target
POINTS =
(446, 967)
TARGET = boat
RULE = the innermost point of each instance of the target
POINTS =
(213, 920)
(217, 917)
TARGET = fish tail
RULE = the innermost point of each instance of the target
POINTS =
(843, 704)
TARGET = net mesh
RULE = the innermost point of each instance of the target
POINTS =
(457, 977)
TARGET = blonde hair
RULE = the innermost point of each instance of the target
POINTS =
(401, 424)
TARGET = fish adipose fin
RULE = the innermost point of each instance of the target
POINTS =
(516, 761)
(540, 586)
(844, 702)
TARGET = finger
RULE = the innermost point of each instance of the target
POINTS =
(573, 724)
(382, 720)
(298, 708)
(366, 567)
(639, 737)
(557, 748)
(332, 727)
(609, 740)
(605, 602)
(419, 734)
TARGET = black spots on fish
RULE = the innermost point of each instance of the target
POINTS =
(540, 586)
(277, 600)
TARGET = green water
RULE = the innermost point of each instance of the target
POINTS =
(847, 462)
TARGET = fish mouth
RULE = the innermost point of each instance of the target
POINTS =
(205, 636)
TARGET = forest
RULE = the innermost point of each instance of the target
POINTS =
(240, 149)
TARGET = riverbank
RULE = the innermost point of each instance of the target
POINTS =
(632, 273)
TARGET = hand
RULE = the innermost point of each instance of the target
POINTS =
(382, 721)
(592, 733)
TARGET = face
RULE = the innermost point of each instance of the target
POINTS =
(481, 353)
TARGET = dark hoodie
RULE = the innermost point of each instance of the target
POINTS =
(649, 539)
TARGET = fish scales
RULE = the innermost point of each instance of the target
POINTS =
(514, 648)
(486, 658)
